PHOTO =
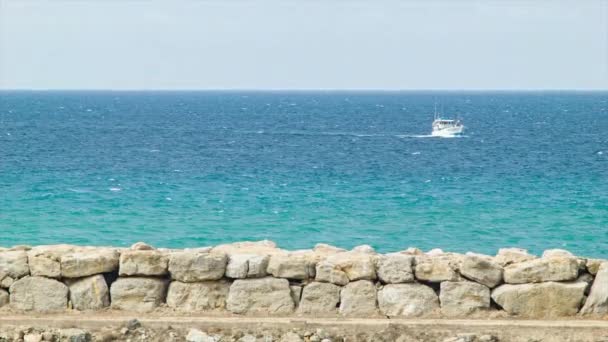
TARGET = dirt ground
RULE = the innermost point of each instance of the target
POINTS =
(165, 326)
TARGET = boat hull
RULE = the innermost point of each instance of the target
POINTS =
(448, 131)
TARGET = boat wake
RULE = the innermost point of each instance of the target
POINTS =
(352, 134)
(404, 136)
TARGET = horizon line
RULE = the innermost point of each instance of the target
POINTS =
(308, 89)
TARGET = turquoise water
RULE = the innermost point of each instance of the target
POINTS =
(181, 169)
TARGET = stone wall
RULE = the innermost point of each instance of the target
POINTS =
(257, 278)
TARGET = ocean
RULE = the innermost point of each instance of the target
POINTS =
(185, 169)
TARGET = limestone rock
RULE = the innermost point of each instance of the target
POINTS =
(264, 247)
(291, 266)
(481, 270)
(189, 267)
(412, 251)
(6, 281)
(395, 268)
(74, 335)
(327, 272)
(407, 300)
(597, 302)
(141, 246)
(89, 262)
(143, 263)
(90, 293)
(208, 295)
(325, 249)
(543, 269)
(319, 298)
(358, 299)
(507, 256)
(548, 299)
(38, 294)
(32, 338)
(356, 266)
(138, 293)
(296, 293)
(462, 298)
(435, 252)
(291, 337)
(44, 264)
(4, 298)
(14, 264)
(593, 265)
(260, 295)
(436, 269)
(195, 335)
(365, 249)
(242, 266)
(557, 253)
(562, 253)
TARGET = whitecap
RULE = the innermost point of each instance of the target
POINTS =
(79, 191)
(168, 198)
(427, 181)
(153, 151)
(600, 152)
(115, 189)
(415, 153)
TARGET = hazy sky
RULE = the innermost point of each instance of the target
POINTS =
(373, 44)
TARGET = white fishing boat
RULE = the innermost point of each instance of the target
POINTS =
(446, 127)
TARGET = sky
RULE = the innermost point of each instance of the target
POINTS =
(306, 44)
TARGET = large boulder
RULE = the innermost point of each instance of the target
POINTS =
(264, 247)
(355, 265)
(463, 297)
(543, 269)
(89, 262)
(45, 261)
(328, 273)
(138, 293)
(437, 268)
(291, 266)
(593, 265)
(597, 302)
(190, 267)
(143, 263)
(325, 249)
(508, 256)
(319, 298)
(260, 296)
(562, 253)
(481, 270)
(90, 293)
(38, 294)
(395, 268)
(359, 299)
(13, 264)
(44, 264)
(208, 295)
(407, 300)
(242, 266)
(4, 297)
(548, 299)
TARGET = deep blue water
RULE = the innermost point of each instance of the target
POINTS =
(180, 169)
